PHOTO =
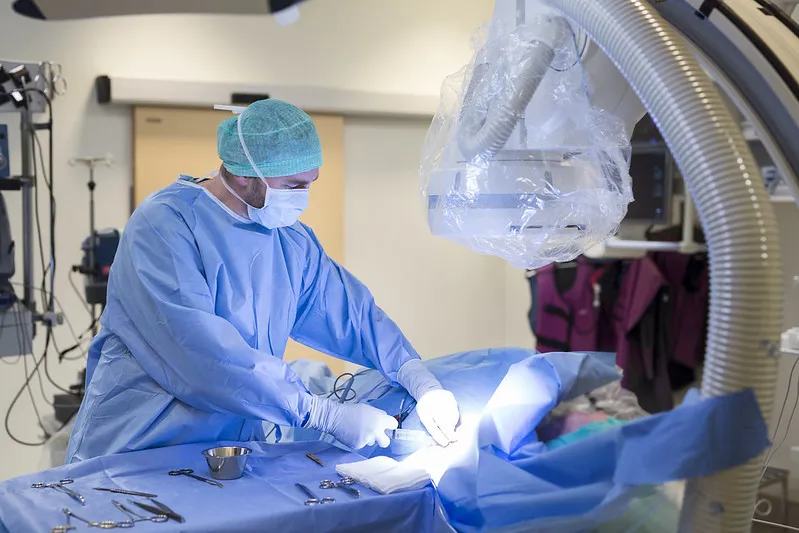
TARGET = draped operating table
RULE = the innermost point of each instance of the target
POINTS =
(264, 499)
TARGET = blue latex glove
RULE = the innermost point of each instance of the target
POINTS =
(353, 424)
(437, 408)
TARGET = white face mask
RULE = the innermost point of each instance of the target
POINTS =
(282, 207)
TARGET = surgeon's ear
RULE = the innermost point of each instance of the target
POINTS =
(232, 179)
(241, 181)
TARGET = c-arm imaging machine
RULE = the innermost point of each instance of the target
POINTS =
(678, 56)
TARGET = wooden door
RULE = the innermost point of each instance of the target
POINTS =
(172, 141)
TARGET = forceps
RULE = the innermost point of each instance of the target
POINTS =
(59, 486)
(133, 517)
(315, 459)
(128, 492)
(312, 498)
(159, 509)
(344, 485)
(190, 473)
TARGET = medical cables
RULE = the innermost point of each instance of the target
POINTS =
(26, 385)
(772, 452)
(344, 392)
(49, 301)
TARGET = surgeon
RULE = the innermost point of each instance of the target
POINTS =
(211, 279)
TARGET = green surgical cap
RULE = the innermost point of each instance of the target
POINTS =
(280, 137)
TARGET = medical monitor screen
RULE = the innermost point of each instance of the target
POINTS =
(652, 171)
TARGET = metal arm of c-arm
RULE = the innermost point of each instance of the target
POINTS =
(609, 91)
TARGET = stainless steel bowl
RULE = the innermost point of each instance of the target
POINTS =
(227, 462)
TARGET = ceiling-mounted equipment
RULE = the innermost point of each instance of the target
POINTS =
(285, 11)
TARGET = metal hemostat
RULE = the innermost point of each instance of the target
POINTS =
(135, 517)
(190, 473)
(312, 498)
(59, 486)
(106, 524)
(344, 485)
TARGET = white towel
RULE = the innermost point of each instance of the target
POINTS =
(385, 475)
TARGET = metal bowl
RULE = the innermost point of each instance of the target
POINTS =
(226, 462)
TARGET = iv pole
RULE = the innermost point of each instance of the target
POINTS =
(91, 270)
(26, 184)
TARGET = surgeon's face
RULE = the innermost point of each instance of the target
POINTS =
(255, 190)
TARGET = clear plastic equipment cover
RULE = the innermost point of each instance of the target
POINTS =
(517, 163)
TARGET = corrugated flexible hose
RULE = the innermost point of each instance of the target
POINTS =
(487, 123)
(483, 132)
(738, 221)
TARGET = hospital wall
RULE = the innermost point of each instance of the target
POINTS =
(445, 298)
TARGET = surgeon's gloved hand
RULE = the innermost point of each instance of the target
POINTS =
(436, 407)
(354, 425)
(438, 411)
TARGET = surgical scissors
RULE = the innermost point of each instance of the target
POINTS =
(134, 517)
(59, 486)
(312, 498)
(190, 473)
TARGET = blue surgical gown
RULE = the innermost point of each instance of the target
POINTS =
(201, 304)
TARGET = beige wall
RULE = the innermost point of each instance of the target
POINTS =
(456, 298)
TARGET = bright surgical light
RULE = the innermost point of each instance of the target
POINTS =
(522, 399)
(436, 460)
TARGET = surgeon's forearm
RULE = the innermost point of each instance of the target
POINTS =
(383, 343)
(338, 316)
(213, 368)
(416, 379)
(262, 392)
(258, 400)
(259, 392)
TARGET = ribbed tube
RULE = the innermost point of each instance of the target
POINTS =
(738, 221)
(487, 124)
(485, 136)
